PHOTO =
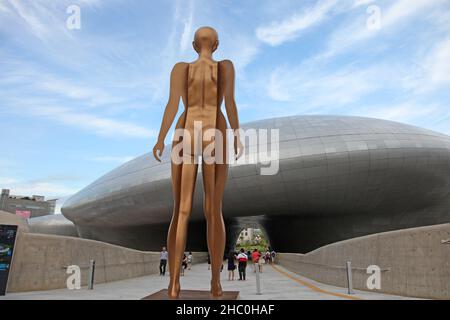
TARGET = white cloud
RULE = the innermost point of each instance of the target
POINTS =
(4, 181)
(312, 87)
(49, 189)
(92, 123)
(93, 96)
(28, 90)
(279, 32)
(365, 91)
(392, 16)
(186, 36)
(242, 54)
(42, 19)
(404, 112)
(412, 110)
(3, 7)
(403, 9)
(176, 45)
(29, 18)
(438, 64)
(359, 3)
(430, 71)
(245, 55)
(6, 163)
(26, 79)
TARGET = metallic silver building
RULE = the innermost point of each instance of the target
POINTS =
(53, 224)
(339, 177)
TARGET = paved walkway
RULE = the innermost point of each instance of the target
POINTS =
(276, 283)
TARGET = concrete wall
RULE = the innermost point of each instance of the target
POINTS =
(414, 262)
(40, 261)
(15, 220)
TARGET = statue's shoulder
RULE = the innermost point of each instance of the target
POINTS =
(180, 66)
(226, 66)
(226, 63)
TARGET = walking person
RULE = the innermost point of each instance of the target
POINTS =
(189, 260)
(242, 260)
(267, 256)
(255, 257)
(163, 261)
(231, 265)
(273, 254)
(260, 262)
(183, 264)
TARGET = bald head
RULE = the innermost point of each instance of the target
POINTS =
(205, 37)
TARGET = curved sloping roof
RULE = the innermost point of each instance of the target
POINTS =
(329, 166)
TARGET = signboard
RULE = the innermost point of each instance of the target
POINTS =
(8, 235)
(23, 213)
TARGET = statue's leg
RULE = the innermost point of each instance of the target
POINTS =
(178, 233)
(215, 227)
(171, 236)
(214, 178)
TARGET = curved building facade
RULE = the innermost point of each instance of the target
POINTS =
(339, 177)
(53, 224)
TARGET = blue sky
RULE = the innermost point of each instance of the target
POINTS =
(76, 103)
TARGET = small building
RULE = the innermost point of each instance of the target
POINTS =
(246, 235)
(250, 235)
(26, 207)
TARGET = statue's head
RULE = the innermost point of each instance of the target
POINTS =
(205, 37)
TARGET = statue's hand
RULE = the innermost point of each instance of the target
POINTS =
(158, 150)
(238, 147)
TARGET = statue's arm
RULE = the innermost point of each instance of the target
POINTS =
(176, 77)
(176, 87)
(230, 105)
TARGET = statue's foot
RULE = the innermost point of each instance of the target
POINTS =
(216, 288)
(173, 291)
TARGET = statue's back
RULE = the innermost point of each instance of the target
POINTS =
(202, 108)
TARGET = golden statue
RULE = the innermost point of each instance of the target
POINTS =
(202, 85)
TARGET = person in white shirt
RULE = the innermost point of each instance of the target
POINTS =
(273, 254)
(242, 264)
(189, 260)
(163, 261)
